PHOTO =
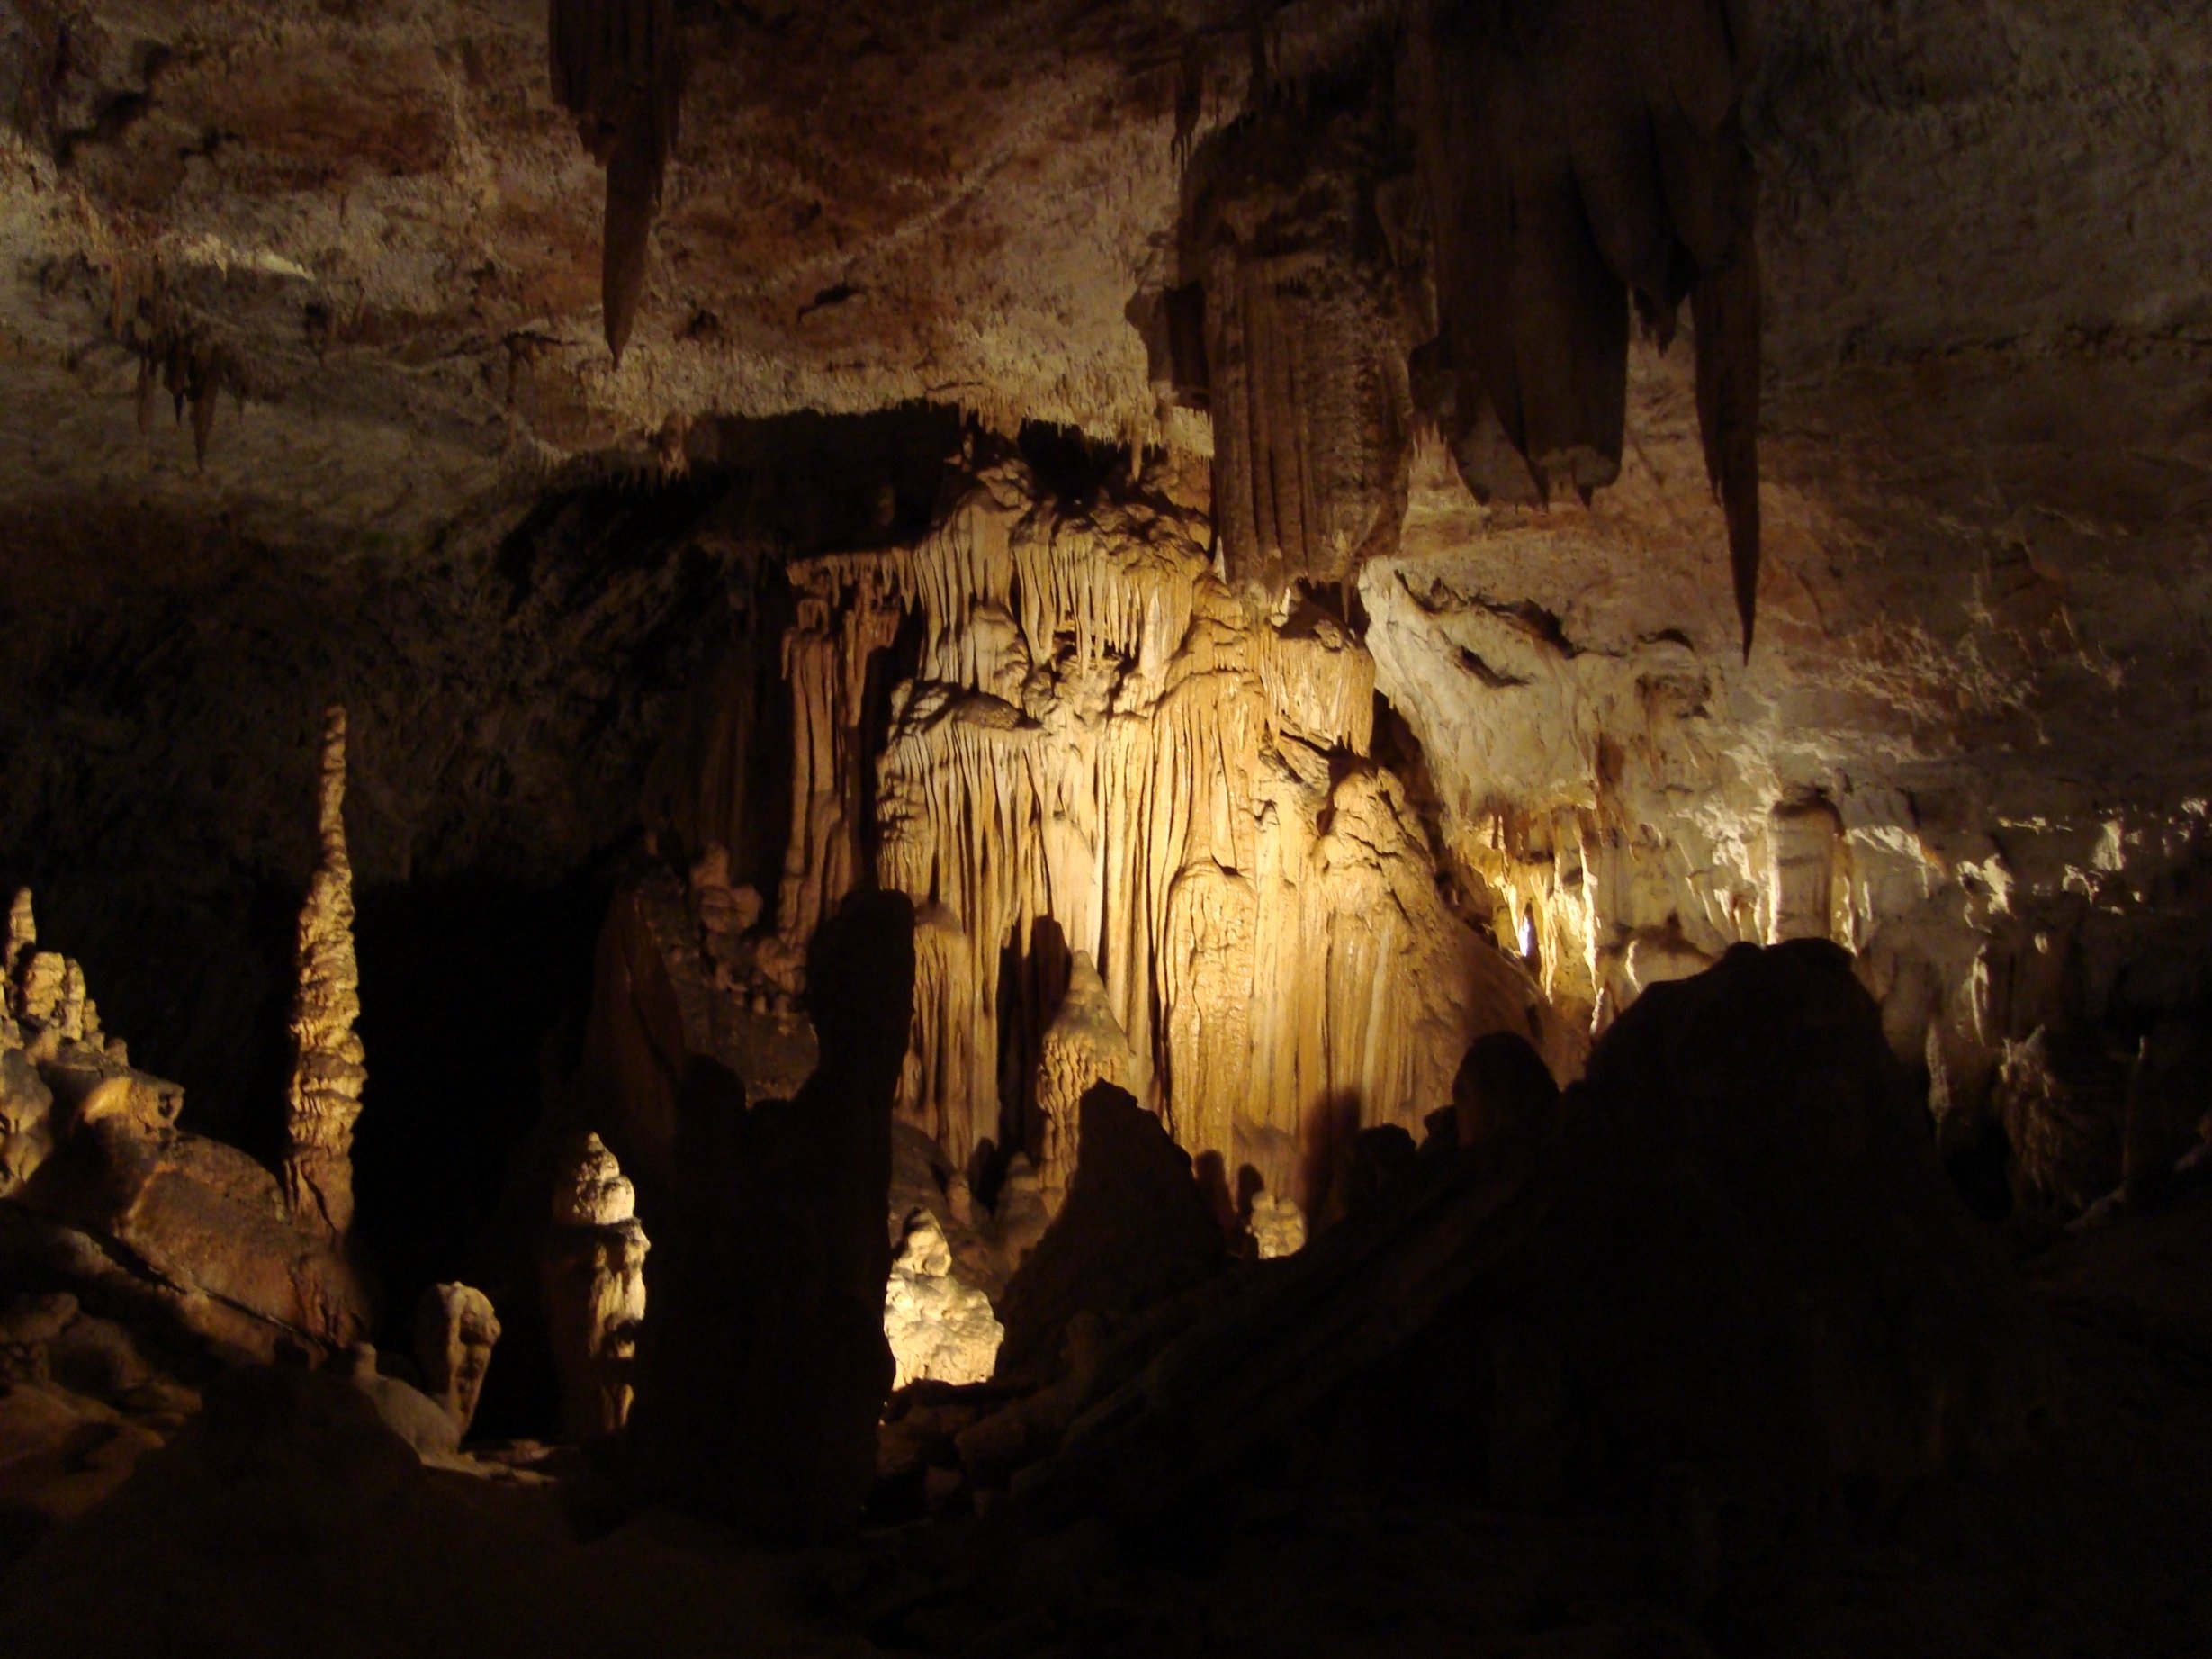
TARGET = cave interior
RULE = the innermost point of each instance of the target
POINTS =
(1105, 826)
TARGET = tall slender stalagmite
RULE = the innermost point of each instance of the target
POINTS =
(327, 1073)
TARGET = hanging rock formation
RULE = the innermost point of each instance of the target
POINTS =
(1102, 750)
(617, 67)
(325, 1095)
(1576, 155)
(591, 1283)
(1305, 336)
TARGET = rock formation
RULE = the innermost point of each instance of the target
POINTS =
(1304, 335)
(455, 1330)
(765, 1365)
(1135, 1229)
(1573, 161)
(326, 1076)
(617, 67)
(939, 1329)
(1100, 750)
(90, 1151)
(1083, 1045)
(591, 1285)
(425, 1424)
(1732, 1244)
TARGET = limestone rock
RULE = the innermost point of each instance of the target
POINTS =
(211, 1227)
(1083, 1045)
(1277, 1226)
(1305, 338)
(455, 1330)
(421, 1421)
(26, 1121)
(591, 1285)
(1733, 1246)
(325, 1095)
(1103, 752)
(2063, 1103)
(940, 1329)
(1503, 1095)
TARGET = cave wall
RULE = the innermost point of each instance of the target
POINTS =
(1051, 725)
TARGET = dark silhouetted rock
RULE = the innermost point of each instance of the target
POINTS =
(1135, 1228)
(765, 1363)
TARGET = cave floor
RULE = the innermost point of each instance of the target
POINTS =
(280, 1532)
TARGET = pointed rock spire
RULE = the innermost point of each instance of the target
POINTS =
(327, 1076)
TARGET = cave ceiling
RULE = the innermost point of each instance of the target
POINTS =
(1987, 322)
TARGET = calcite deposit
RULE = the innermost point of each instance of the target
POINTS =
(940, 1329)
(1100, 750)
(591, 1285)
(324, 1098)
(456, 1332)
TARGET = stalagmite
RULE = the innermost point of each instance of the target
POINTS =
(591, 1280)
(325, 1095)
(23, 938)
(939, 1329)
(455, 1330)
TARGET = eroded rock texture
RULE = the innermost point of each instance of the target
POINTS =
(1286, 255)
(324, 1098)
(1092, 745)
(591, 1285)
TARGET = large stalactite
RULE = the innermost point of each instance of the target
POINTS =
(1459, 228)
(617, 67)
(1574, 155)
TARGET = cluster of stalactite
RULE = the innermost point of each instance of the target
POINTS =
(1460, 229)
(176, 351)
(1098, 748)
(617, 67)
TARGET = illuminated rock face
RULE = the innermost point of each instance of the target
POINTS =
(592, 1287)
(939, 1329)
(328, 1074)
(1096, 749)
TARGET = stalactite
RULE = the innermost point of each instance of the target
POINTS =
(175, 350)
(1576, 155)
(324, 1098)
(617, 67)
(1105, 747)
(1304, 353)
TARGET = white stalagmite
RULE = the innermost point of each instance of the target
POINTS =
(327, 1076)
(1103, 752)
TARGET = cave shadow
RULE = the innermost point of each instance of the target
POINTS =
(474, 992)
